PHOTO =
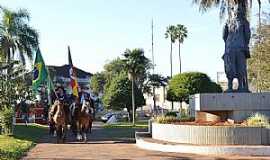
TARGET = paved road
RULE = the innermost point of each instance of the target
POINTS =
(103, 146)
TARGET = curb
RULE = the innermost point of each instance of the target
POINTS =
(244, 150)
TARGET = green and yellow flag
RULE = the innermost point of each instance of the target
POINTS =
(41, 75)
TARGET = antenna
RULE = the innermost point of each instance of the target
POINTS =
(153, 59)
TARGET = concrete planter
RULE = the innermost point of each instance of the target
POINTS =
(207, 135)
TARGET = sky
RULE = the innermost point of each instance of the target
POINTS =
(101, 30)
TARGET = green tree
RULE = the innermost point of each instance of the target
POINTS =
(258, 64)
(183, 85)
(16, 36)
(171, 34)
(114, 68)
(137, 65)
(117, 96)
(14, 87)
(97, 83)
(181, 34)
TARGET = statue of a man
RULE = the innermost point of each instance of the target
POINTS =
(236, 35)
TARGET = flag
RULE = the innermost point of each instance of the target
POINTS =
(73, 77)
(50, 89)
(40, 73)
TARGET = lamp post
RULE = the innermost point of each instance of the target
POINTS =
(131, 77)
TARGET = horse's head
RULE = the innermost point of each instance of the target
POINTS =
(59, 107)
(86, 107)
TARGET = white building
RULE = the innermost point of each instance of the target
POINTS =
(161, 101)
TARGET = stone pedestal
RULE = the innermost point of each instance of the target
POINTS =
(235, 106)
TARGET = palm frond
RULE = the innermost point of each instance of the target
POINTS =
(225, 6)
(17, 35)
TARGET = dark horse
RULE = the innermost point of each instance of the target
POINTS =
(82, 119)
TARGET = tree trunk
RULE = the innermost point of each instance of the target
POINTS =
(129, 114)
(171, 67)
(180, 63)
(133, 102)
(154, 100)
(171, 60)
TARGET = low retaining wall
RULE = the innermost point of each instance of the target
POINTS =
(207, 135)
(243, 150)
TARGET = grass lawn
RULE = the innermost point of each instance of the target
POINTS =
(24, 138)
(124, 130)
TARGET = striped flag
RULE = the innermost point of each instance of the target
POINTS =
(73, 77)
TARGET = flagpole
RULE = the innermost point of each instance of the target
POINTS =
(153, 61)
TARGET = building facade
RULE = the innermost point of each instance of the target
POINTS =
(60, 76)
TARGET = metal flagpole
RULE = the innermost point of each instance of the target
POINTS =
(153, 61)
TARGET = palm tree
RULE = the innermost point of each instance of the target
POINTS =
(181, 34)
(16, 36)
(137, 65)
(226, 5)
(171, 33)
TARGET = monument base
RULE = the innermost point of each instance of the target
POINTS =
(234, 106)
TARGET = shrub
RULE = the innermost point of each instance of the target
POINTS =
(172, 114)
(172, 119)
(258, 119)
(166, 119)
(6, 118)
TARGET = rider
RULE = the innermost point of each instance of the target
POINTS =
(59, 94)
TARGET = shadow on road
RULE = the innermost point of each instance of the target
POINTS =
(99, 135)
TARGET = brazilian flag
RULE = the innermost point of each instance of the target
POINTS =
(40, 73)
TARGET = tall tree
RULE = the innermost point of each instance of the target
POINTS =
(181, 34)
(113, 68)
(258, 65)
(98, 82)
(16, 36)
(137, 65)
(171, 34)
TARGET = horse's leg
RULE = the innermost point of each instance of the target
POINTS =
(90, 125)
(84, 131)
(78, 130)
(81, 131)
(50, 129)
(60, 132)
(74, 127)
(57, 134)
(64, 133)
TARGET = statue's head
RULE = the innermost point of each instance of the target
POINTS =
(239, 11)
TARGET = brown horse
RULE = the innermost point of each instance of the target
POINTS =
(59, 120)
(84, 120)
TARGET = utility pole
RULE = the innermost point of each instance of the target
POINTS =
(153, 61)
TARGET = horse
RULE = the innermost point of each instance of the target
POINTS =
(84, 120)
(58, 119)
